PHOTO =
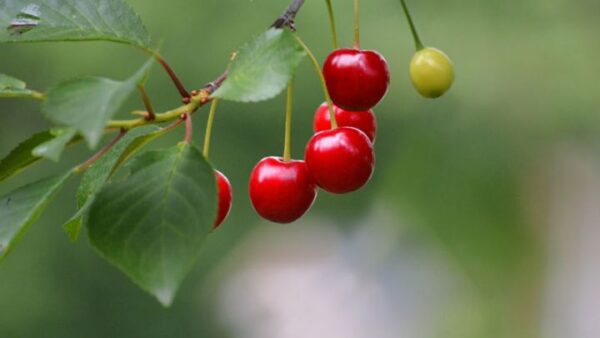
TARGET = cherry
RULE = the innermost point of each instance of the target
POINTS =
(431, 72)
(364, 121)
(225, 196)
(341, 160)
(281, 191)
(356, 79)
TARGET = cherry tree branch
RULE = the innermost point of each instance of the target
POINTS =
(202, 96)
(289, 16)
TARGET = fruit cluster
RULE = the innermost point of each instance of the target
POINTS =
(339, 158)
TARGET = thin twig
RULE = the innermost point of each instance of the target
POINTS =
(176, 81)
(89, 162)
(188, 127)
(149, 116)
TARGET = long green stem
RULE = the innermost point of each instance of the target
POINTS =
(332, 24)
(196, 102)
(209, 125)
(317, 69)
(413, 29)
(29, 94)
(287, 149)
(356, 25)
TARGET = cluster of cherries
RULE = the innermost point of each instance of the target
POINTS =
(339, 160)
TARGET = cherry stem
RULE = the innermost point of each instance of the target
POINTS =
(317, 69)
(188, 127)
(287, 150)
(413, 29)
(89, 162)
(176, 81)
(332, 24)
(172, 125)
(356, 25)
(209, 125)
(150, 116)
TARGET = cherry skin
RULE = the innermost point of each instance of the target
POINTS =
(341, 160)
(225, 197)
(431, 72)
(356, 79)
(281, 191)
(364, 121)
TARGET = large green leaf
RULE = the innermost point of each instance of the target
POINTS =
(12, 87)
(54, 148)
(87, 104)
(22, 207)
(70, 20)
(152, 224)
(21, 157)
(97, 175)
(263, 67)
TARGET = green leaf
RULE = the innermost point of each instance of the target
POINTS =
(22, 207)
(71, 20)
(98, 175)
(21, 158)
(151, 226)
(54, 148)
(263, 67)
(12, 87)
(87, 104)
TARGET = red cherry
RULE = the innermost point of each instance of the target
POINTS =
(341, 160)
(225, 196)
(364, 121)
(281, 191)
(356, 79)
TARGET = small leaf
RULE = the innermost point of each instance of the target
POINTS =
(21, 158)
(11, 87)
(151, 226)
(87, 104)
(262, 68)
(71, 20)
(54, 148)
(22, 207)
(97, 175)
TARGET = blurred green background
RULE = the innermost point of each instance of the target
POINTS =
(479, 222)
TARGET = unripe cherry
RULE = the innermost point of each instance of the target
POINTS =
(431, 72)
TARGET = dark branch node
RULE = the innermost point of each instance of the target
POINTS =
(287, 19)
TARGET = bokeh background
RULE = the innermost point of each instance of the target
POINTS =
(482, 219)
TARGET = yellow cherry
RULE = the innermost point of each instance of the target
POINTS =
(431, 72)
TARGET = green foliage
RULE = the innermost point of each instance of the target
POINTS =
(11, 87)
(22, 207)
(54, 148)
(263, 67)
(71, 20)
(88, 103)
(98, 175)
(152, 224)
(21, 157)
